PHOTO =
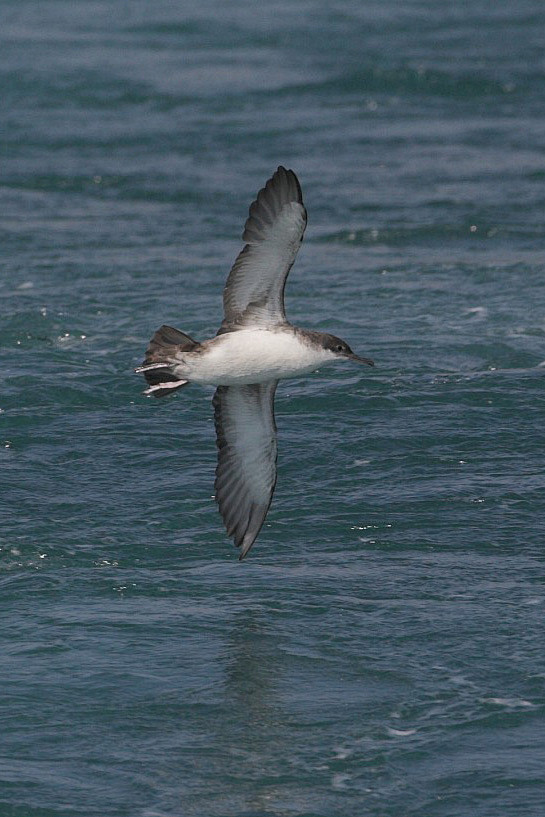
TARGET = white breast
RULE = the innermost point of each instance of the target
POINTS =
(252, 356)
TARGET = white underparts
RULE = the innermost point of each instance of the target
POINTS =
(250, 356)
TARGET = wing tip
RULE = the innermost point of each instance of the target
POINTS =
(245, 550)
(290, 174)
(256, 520)
(280, 189)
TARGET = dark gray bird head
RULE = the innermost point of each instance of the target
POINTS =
(341, 349)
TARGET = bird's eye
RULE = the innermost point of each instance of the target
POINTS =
(340, 348)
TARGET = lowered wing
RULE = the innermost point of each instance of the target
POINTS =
(246, 470)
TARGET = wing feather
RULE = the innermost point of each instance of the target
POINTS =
(246, 470)
(254, 292)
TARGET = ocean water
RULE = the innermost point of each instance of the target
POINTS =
(381, 651)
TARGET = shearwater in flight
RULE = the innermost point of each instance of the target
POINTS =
(254, 348)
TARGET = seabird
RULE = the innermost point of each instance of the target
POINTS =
(254, 348)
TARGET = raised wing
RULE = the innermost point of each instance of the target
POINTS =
(246, 471)
(254, 292)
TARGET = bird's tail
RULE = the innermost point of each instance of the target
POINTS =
(157, 366)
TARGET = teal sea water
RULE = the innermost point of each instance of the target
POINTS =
(381, 651)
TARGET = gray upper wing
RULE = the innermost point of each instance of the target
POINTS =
(246, 470)
(254, 292)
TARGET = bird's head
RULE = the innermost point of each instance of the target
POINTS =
(340, 349)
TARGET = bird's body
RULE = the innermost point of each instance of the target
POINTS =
(255, 347)
(252, 355)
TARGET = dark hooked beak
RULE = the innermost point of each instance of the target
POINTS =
(358, 359)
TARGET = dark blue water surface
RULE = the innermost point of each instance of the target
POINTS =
(381, 651)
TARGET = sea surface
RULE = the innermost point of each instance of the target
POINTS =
(381, 652)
